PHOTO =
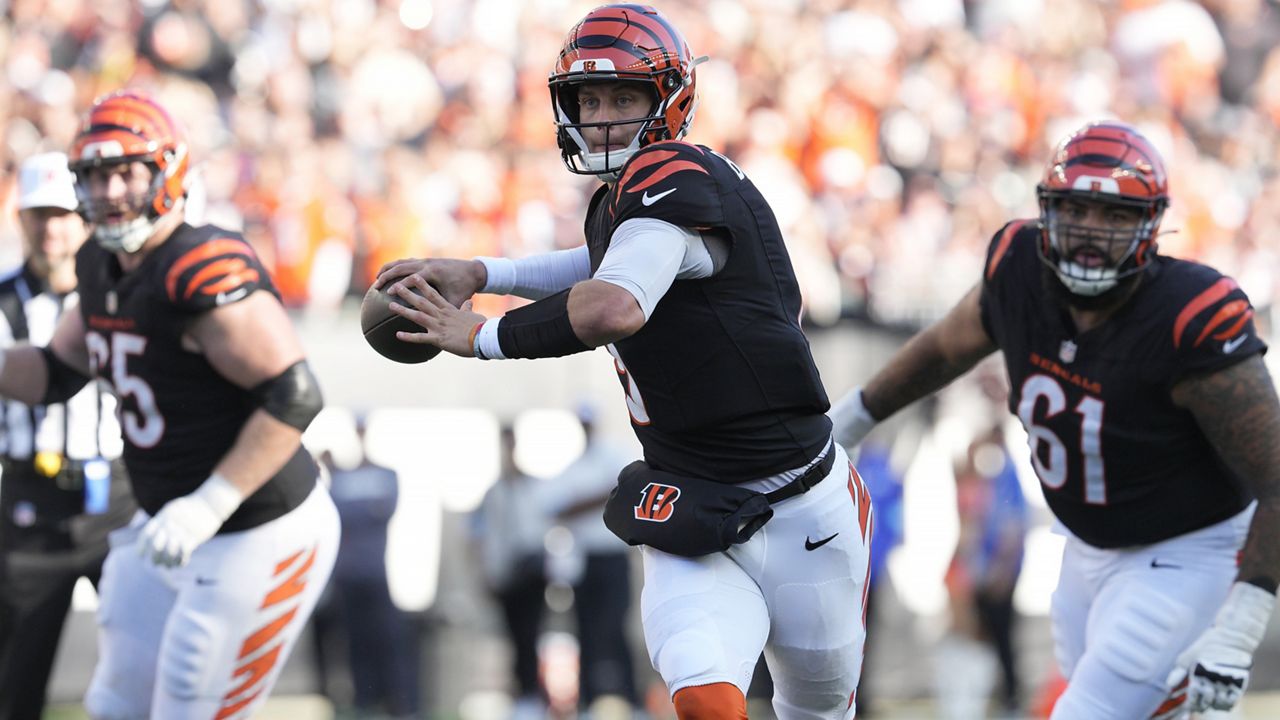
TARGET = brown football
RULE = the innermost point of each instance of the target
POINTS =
(380, 326)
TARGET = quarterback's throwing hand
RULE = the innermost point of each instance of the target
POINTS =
(1216, 666)
(447, 327)
(183, 524)
(456, 280)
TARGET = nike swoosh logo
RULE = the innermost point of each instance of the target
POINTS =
(648, 199)
(1155, 563)
(223, 298)
(1230, 346)
(811, 545)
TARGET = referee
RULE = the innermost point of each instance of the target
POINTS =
(62, 487)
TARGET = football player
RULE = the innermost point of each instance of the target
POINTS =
(682, 251)
(1151, 421)
(205, 592)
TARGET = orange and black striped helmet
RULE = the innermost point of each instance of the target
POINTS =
(128, 126)
(627, 43)
(1108, 164)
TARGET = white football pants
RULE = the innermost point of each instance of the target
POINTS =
(706, 619)
(1122, 617)
(207, 640)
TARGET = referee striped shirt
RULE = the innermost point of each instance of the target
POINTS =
(82, 428)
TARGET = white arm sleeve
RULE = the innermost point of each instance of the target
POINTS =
(536, 276)
(646, 255)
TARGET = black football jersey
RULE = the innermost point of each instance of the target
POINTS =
(1119, 463)
(720, 381)
(179, 416)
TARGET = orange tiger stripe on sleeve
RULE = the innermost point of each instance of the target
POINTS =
(665, 172)
(1006, 239)
(1211, 295)
(1238, 310)
(644, 161)
(234, 271)
(198, 254)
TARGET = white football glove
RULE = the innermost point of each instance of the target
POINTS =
(184, 523)
(1217, 664)
(850, 420)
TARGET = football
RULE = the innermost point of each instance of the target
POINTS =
(380, 326)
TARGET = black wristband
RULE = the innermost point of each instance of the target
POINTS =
(540, 330)
(64, 380)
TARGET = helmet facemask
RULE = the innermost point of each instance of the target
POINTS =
(1090, 260)
(631, 133)
(139, 209)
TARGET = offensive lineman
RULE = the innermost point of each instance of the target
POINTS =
(683, 253)
(205, 592)
(1152, 423)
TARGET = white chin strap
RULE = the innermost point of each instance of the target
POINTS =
(606, 164)
(1086, 281)
(127, 236)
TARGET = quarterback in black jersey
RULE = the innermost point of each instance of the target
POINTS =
(1151, 421)
(204, 594)
(686, 280)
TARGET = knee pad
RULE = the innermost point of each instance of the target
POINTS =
(809, 683)
(101, 703)
(1141, 640)
(717, 701)
(188, 657)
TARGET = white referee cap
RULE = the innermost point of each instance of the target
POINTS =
(45, 181)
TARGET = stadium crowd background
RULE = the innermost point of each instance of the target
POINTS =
(892, 138)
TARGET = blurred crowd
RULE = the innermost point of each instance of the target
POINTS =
(892, 138)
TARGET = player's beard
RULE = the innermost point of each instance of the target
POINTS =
(1105, 300)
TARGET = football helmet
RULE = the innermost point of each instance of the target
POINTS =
(123, 127)
(623, 43)
(1112, 164)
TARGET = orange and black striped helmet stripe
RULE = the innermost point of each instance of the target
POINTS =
(634, 37)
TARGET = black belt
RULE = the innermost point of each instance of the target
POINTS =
(811, 477)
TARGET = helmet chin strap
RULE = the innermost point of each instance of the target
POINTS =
(606, 164)
(127, 236)
(1057, 287)
(1085, 281)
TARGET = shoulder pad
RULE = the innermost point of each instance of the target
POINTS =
(1003, 240)
(671, 181)
(217, 271)
(1218, 312)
